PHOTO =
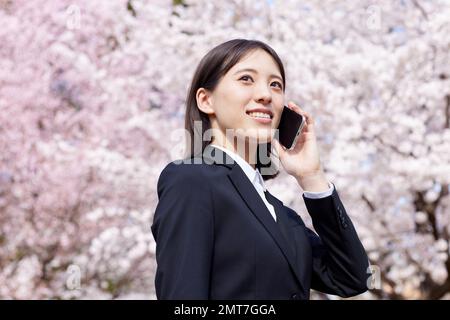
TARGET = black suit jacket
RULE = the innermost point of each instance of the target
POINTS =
(216, 239)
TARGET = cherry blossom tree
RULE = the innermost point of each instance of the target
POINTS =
(92, 107)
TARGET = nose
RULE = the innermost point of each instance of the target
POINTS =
(263, 94)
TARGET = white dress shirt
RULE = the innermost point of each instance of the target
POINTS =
(258, 182)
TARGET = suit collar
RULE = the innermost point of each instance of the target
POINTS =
(252, 174)
(212, 155)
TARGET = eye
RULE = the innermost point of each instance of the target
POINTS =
(245, 77)
(279, 84)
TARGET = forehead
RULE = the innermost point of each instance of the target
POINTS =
(257, 59)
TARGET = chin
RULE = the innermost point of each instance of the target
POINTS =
(255, 134)
(261, 139)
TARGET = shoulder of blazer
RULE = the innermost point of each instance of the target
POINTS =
(181, 172)
(211, 162)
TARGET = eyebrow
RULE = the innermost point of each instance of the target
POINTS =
(253, 70)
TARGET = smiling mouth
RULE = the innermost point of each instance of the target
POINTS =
(260, 115)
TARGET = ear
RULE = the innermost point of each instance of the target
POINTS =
(204, 102)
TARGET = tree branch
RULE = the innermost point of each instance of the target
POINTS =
(421, 9)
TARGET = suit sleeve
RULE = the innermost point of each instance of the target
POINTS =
(340, 263)
(183, 228)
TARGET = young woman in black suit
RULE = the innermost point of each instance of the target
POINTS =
(219, 233)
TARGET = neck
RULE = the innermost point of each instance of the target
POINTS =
(244, 148)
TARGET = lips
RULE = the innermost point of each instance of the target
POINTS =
(260, 113)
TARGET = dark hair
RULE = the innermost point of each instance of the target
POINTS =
(213, 66)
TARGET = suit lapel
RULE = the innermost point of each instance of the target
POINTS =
(253, 200)
(248, 193)
(287, 225)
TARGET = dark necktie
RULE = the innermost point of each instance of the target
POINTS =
(270, 200)
(280, 221)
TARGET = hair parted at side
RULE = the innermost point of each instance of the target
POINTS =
(212, 67)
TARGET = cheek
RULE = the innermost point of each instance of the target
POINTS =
(232, 106)
(230, 113)
(278, 113)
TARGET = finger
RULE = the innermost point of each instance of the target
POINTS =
(308, 136)
(304, 129)
(296, 107)
(309, 124)
(309, 119)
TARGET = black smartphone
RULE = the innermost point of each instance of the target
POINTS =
(289, 128)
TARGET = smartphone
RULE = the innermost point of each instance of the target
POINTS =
(289, 128)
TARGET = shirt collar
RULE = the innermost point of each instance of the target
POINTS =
(252, 174)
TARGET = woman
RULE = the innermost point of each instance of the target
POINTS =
(219, 233)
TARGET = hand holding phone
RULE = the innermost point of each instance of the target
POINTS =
(290, 127)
